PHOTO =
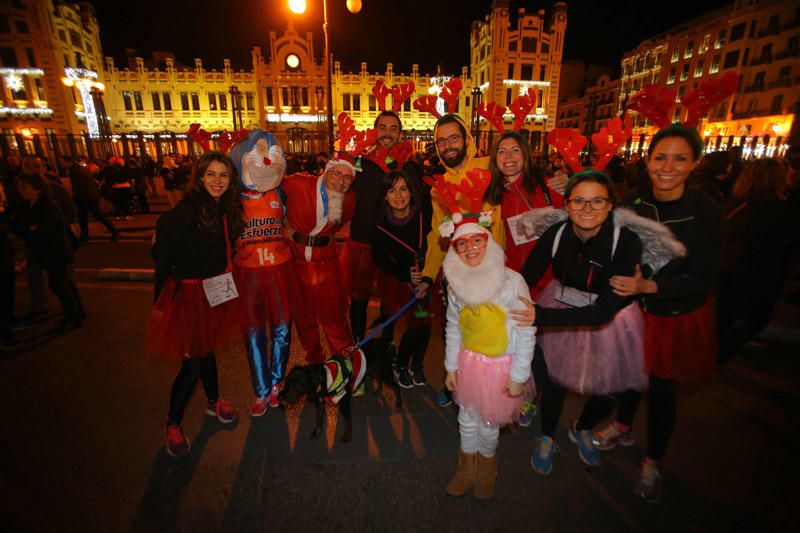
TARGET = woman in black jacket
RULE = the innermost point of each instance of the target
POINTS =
(680, 332)
(41, 224)
(399, 242)
(192, 248)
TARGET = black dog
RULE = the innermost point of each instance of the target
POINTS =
(311, 381)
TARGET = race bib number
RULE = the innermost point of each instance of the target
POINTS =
(575, 298)
(518, 237)
(220, 289)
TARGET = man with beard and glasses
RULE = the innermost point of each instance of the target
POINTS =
(356, 260)
(316, 209)
(456, 150)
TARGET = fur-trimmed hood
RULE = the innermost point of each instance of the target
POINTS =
(659, 245)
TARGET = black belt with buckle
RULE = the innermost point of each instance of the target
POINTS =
(314, 241)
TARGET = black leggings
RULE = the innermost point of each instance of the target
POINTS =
(595, 408)
(413, 345)
(202, 368)
(661, 411)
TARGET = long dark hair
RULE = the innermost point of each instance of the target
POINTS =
(532, 176)
(210, 212)
(690, 135)
(388, 181)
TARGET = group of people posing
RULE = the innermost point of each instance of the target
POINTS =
(551, 285)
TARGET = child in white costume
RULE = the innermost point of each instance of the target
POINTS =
(487, 355)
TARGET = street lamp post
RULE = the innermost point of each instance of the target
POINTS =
(237, 113)
(299, 7)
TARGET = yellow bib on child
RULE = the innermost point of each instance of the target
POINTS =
(483, 329)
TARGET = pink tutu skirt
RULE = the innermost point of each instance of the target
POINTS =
(481, 384)
(594, 359)
(182, 324)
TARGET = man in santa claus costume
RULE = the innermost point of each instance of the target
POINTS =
(263, 266)
(316, 209)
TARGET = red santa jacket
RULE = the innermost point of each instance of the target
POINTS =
(306, 214)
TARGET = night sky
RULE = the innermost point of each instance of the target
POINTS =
(427, 32)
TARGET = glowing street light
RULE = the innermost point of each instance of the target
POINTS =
(297, 6)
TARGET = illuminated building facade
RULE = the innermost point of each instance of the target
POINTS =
(593, 110)
(41, 42)
(507, 60)
(760, 41)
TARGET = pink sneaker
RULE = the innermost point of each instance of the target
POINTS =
(177, 444)
(223, 410)
(259, 407)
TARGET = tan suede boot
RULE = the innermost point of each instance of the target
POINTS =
(464, 479)
(485, 478)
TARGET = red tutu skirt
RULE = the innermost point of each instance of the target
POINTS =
(481, 383)
(182, 324)
(595, 359)
(395, 294)
(265, 294)
(358, 270)
(681, 347)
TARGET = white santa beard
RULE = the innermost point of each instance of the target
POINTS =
(475, 285)
(335, 201)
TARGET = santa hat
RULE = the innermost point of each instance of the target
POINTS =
(343, 158)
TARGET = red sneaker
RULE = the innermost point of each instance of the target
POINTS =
(259, 407)
(223, 410)
(177, 444)
(274, 402)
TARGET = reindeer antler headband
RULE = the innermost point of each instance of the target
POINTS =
(347, 132)
(656, 102)
(226, 139)
(450, 91)
(521, 106)
(400, 93)
(473, 187)
(569, 143)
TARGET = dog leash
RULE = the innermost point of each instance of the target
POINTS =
(388, 321)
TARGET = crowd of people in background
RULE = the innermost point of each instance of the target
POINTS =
(735, 218)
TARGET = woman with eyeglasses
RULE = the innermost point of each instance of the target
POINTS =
(590, 336)
(518, 186)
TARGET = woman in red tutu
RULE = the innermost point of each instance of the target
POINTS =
(680, 331)
(192, 252)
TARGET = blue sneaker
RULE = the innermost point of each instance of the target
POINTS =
(586, 450)
(444, 398)
(542, 458)
(526, 414)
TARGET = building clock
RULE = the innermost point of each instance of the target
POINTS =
(292, 61)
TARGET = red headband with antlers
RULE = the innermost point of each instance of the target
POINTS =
(473, 187)
(400, 93)
(656, 102)
(449, 93)
(348, 132)
(607, 141)
(521, 106)
(226, 139)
